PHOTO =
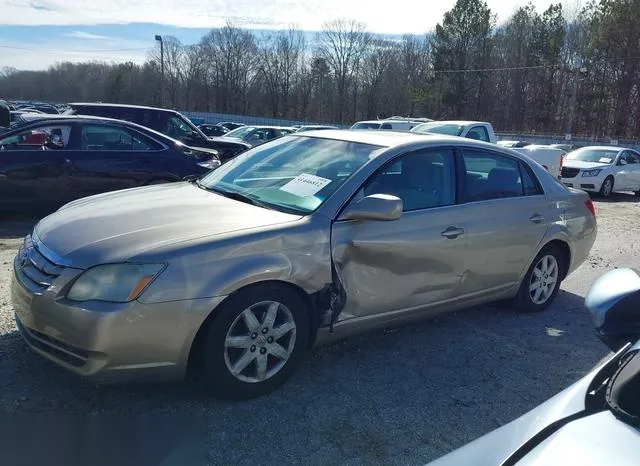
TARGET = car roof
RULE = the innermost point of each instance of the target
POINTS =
(605, 148)
(457, 122)
(385, 138)
(100, 104)
(40, 118)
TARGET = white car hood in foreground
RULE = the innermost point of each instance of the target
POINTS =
(596, 440)
(498, 445)
(584, 165)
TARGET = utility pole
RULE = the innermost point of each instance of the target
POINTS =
(580, 70)
(159, 39)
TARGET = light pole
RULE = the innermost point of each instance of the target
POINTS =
(159, 39)
(579, 72)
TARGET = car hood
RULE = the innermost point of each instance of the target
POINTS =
(583, 165)
(117, 226)
(497, 446)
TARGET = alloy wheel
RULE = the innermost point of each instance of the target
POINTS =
(543, 279)
(260, 341)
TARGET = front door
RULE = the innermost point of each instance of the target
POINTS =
(507, 217)
(416, 260)
(109, 158)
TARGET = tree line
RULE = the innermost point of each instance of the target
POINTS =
(537, 72)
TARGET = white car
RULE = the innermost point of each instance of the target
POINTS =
(602, 169)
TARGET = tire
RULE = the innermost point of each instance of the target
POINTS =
(607, 187)
(528, 299)
(230, 342)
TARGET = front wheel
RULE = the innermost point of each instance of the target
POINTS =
(256, 341)
(542, 281)
(607, 187)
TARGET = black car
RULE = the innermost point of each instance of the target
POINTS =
(51, 161)
(168, 122)
(213, 130)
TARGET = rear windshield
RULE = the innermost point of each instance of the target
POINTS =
(366, 126)
(439, 128)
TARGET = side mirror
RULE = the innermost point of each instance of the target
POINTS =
(614, 304)
(374, 207)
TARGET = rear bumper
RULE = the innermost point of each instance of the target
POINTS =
(108, 342)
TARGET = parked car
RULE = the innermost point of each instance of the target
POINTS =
(303, 128)
(256, 135)
(168, 122)
(513, 144)
(230, 125)
(390, 124)
(550, 158)
(602, 170)
(478, 130)
(596, 421)
(52, 161)
(304, 239)
(213, 130)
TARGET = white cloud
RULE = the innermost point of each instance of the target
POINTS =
(87, 35)
(410, 16)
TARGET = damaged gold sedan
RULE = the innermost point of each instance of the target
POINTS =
(298, 241)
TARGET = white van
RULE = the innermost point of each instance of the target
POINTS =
(399, 125)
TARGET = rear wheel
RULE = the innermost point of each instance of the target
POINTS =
(255, 342)
(542, 281)
(607, 187)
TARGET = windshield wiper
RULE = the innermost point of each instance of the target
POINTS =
(237, 196)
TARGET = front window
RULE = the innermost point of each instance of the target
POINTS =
(294, 174)
(241, 132)
(111, 138)
(448, 129)
(592, 155)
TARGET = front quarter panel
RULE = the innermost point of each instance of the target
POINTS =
(296, 253)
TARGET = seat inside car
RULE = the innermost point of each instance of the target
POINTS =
(500, 182)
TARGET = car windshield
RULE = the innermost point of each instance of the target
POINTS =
(439, 128)
(241, 132)
(593, 155)
(295, 174)
(366, 126)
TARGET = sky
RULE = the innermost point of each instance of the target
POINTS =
(35, 34)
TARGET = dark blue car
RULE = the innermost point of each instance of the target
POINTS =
(51, 161)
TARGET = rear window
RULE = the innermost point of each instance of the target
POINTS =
(439, 128)
(364, 125)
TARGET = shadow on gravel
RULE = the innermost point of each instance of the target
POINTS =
(617, 198)
(399, 396)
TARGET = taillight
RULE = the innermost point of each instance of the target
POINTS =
(590, 206)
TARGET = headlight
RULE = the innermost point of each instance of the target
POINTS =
(210, 164)
(119, 283)
(594, 172)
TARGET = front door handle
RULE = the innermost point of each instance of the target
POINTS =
(536, 218)
(452, 232)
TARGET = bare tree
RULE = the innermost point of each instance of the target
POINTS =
(343, 43)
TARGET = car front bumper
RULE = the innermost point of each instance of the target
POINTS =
(106, 342)
(585, 183)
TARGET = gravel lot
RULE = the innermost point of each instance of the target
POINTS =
(401, 396)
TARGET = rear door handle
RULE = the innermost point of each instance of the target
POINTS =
(452, 232)
(536, 218)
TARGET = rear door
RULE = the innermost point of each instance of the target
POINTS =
(507, 217)
(111, 157)
(34, 168)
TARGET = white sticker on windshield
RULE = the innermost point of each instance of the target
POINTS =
(305, 185)
(605, 160)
